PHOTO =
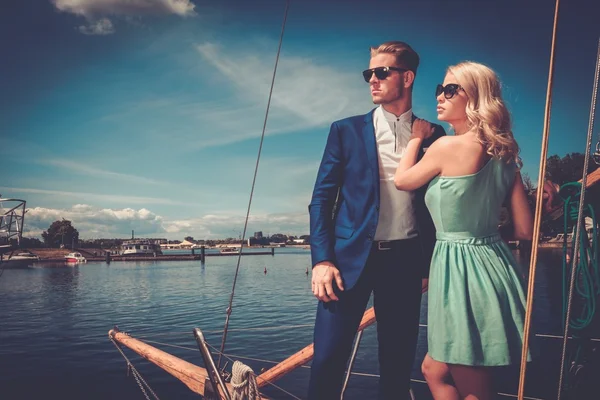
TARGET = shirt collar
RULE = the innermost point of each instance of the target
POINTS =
(391, 117)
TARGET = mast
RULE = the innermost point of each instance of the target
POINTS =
(538, 212)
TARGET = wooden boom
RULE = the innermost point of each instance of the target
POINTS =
(303, 356)
(592, 178)
(191, 375)
(194, 376)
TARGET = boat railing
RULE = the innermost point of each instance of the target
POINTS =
(217, 388)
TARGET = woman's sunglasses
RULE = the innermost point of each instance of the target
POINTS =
(449, 90)
(380, 72)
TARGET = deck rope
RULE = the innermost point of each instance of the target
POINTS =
(267, 382)
(243, 382)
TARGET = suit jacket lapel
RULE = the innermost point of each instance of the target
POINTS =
(368, 135)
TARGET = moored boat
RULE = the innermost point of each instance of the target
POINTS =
(19, 260)
(140, 247)
(229, 250)
(75, 258)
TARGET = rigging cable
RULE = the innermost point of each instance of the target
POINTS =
(262, 137)
(538, 211)
(579, 221)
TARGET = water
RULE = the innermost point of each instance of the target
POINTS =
(54, 322)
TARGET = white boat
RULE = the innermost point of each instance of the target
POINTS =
(561, 237)
(230, 250)
(19, 260)
(140, 247)
(75, 258)
(589, 231)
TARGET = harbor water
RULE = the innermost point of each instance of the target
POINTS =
(54, 321)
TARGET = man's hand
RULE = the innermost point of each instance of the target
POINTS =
(323, 275)
(550, 198)
(421, 129)
(550, 191)
(424, 285)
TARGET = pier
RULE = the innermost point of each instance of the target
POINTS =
(56, 256)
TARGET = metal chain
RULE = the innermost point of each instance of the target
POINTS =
(138, 377)
(135, 375)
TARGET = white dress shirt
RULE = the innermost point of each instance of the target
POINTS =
(397, 219)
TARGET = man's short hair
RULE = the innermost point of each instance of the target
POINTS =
(406, 57)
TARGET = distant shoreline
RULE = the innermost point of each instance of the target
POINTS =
(52, 253)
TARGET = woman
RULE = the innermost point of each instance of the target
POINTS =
(476, 299)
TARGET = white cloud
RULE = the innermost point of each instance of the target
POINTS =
(85, 169)
(96, 12)
(230, 225)
(98, 196)
(82, 207)
(95, 8)
(235, 83)
(102, 26)
(94, 222)
(305, 92)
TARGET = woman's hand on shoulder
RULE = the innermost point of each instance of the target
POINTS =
(410, 176)
(422, 129)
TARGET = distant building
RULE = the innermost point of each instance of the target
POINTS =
(258, 235)
(261, 241)
(151, 240)
(176, 244)
(186, 244)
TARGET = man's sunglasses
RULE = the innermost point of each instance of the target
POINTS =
(449, 90)
(380, 72)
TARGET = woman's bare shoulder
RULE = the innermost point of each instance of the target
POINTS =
(446, 144)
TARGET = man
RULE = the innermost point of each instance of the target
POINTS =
(378, 239)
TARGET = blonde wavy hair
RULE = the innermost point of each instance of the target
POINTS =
(486, 111)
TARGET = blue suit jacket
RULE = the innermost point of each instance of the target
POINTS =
(350, 163)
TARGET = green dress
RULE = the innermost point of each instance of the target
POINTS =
(476, 302)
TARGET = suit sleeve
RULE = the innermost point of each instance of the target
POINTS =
(328, 181)
(426, 227)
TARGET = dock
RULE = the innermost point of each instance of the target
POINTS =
(193, 256)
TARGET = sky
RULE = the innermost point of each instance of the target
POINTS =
(147, 115)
